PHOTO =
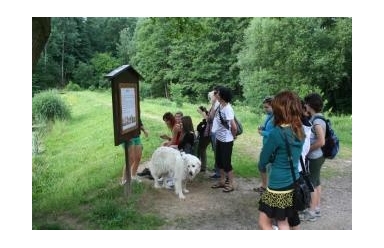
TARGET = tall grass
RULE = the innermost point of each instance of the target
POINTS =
(76, 179)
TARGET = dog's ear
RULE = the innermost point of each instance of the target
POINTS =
(184, 156)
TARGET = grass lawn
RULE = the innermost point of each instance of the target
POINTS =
(75, 180)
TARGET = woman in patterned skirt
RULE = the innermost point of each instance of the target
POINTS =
(276, 202)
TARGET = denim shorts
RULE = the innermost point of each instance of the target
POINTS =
(136, 141)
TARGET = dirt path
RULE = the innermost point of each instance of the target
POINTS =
(211, 209)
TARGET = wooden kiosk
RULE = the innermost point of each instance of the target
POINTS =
(126, 110)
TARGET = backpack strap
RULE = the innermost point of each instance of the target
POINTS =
(326, 123)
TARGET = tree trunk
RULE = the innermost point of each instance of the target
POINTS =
(62, 62)
(41, 29)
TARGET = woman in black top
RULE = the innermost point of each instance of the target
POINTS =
(187, 138)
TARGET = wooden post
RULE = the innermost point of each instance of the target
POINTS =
(126, 111)
(127, 185)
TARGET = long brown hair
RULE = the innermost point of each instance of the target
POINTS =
(287, 109)
(187, 124)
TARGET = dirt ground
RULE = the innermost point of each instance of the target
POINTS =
(210, 209)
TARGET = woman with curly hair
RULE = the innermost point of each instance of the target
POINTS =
(277, 201)
(225, 129)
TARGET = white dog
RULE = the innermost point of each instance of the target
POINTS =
(170, 162)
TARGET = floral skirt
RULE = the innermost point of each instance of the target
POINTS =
(277, 204)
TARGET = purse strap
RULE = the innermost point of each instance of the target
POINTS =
(225, 124)
(289, 155)
(304, 168)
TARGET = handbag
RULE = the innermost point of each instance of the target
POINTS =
(305, 174)
(301, 190)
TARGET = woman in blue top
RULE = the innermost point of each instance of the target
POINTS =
(264, 132)
(276, 201)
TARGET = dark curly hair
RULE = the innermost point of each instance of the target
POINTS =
(225, 94)
(315, 101)
(168, 116)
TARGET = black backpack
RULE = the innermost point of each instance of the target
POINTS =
(331, 146)
(201, 127)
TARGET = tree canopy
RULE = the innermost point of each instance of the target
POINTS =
(255, 57)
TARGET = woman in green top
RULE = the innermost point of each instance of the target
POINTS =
(276, 202)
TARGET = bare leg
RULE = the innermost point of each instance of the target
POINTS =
(283, 224)
(137, 153)
(265, 223)
(314, 198)
(131, 163)
(230, 178)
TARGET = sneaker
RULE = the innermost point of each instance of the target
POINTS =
(169, 183)
(309, 216)
(317, 213)
(145, 172)
(301, 215)
(274, 224)
(160, 180)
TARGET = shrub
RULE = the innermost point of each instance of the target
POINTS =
(73, 86)
(49, 106)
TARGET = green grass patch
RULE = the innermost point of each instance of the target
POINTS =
(75, 180)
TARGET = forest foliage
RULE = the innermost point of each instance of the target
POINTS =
(255, 57)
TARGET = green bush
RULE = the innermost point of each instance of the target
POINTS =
(49, 106)
(73, 86)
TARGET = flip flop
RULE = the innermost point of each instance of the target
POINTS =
(228, 189)
(218, 185)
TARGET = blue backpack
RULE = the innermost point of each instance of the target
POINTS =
(331, 146)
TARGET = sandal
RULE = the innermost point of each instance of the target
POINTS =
(226, 181)
(218, 185)
(228, 188)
